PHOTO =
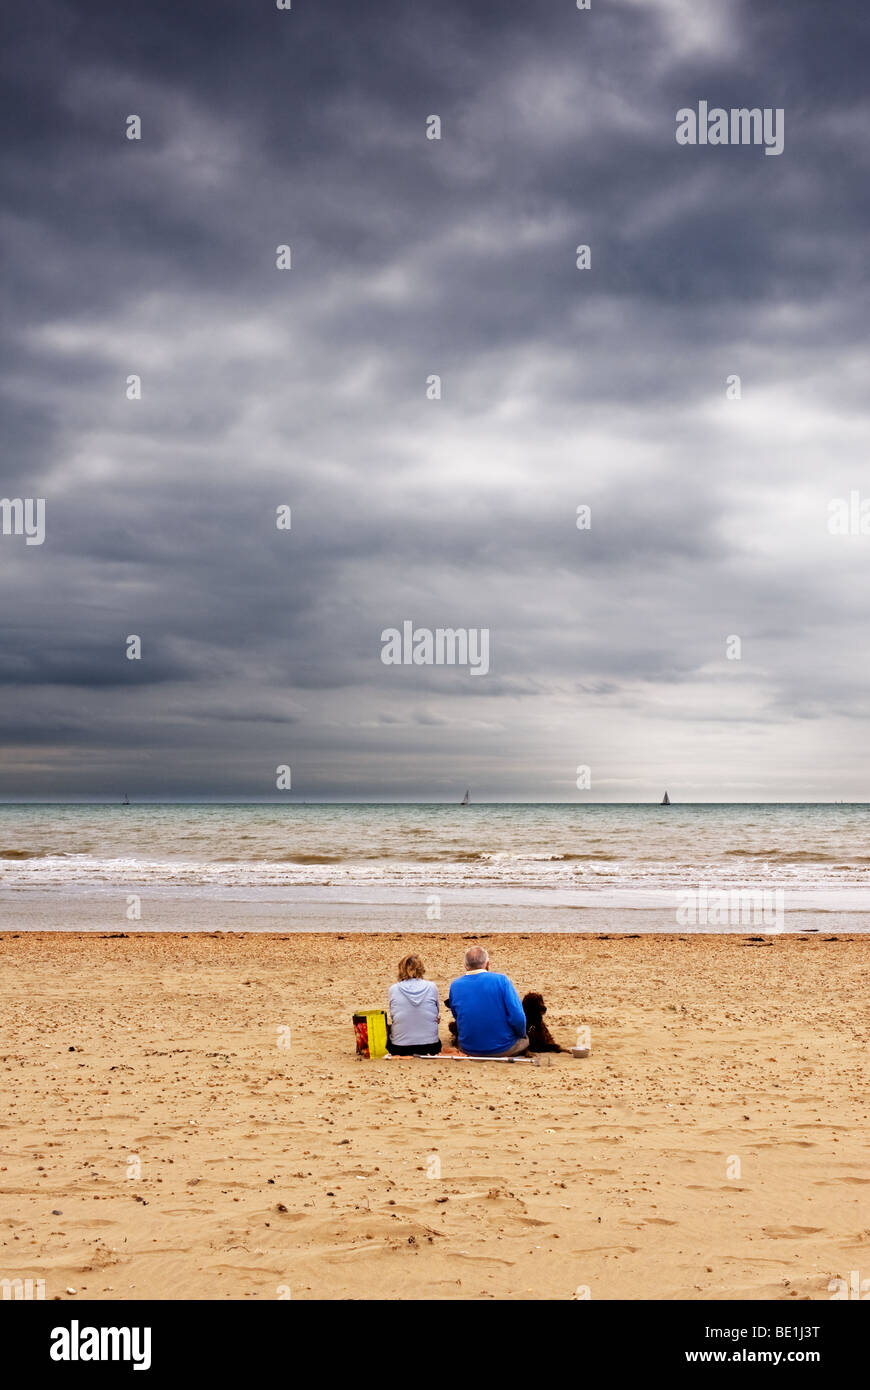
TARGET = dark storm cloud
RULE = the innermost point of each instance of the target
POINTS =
(307, 388)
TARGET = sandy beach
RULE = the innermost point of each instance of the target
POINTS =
(160, 1139)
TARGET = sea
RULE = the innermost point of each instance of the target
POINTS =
(400, 867)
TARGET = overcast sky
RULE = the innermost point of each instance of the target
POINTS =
(308, 388)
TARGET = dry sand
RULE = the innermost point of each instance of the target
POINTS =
(266, 1169)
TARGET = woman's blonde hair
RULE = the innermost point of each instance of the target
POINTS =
(411, 968)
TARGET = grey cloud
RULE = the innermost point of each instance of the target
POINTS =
(308, 388)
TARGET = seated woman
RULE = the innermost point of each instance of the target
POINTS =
(414, 1012)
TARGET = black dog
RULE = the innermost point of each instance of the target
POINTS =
(540, 1037)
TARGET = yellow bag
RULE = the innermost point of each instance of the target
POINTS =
(370, 1026)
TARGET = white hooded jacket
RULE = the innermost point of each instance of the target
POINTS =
(414, 1012)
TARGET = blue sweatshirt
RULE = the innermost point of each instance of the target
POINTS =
(488, 1012)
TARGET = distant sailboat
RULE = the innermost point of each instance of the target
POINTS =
(465, 799)
(126, 801)
(666, 800)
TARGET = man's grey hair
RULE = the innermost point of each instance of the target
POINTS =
(476, 957)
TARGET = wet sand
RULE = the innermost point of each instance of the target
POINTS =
(159, 1139)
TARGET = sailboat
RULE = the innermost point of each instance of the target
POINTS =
(465, 799)
(126, 801)
(666, 800)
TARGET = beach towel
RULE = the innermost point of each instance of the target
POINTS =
(449, 1054)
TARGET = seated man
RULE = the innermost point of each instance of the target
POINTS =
(489, 1016)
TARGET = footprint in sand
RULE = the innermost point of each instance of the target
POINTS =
(791, 1232)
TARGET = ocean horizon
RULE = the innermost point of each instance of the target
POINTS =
(417, 866)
